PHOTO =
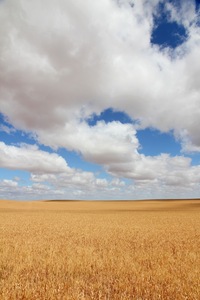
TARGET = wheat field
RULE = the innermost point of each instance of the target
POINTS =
(100, 250)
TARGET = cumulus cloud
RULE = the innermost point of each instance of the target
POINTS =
(50, 175)
(171, 177)
(52, 178)
(84, 182)
(162, 170)
(30, 158)
(102, 143)
(6, 183)
(9, 189)
(62, 61)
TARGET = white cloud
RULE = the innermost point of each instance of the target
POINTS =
(146, 173)
(102, 143)
(7, 183)
(187, 145)
(9, 189)
(85, 181)
(52, 178)
(61, 61)
(69, 64)
(183, 13)
(30, 158)
(7, 129)
(163, 170)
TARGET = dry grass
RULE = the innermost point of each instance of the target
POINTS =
(100, 250)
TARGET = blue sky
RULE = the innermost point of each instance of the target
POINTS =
(93, 109)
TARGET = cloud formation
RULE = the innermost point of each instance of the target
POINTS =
(51, 177)
(30, 158)
(62, 61)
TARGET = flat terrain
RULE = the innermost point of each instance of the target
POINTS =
(142, 250)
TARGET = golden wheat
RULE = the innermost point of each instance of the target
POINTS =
(100, 250)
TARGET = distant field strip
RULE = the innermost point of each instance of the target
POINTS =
(142, 250)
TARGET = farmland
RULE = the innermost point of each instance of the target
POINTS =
(100, 250)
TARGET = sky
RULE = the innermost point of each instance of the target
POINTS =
(99, 100)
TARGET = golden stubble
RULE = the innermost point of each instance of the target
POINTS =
(100, 250)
